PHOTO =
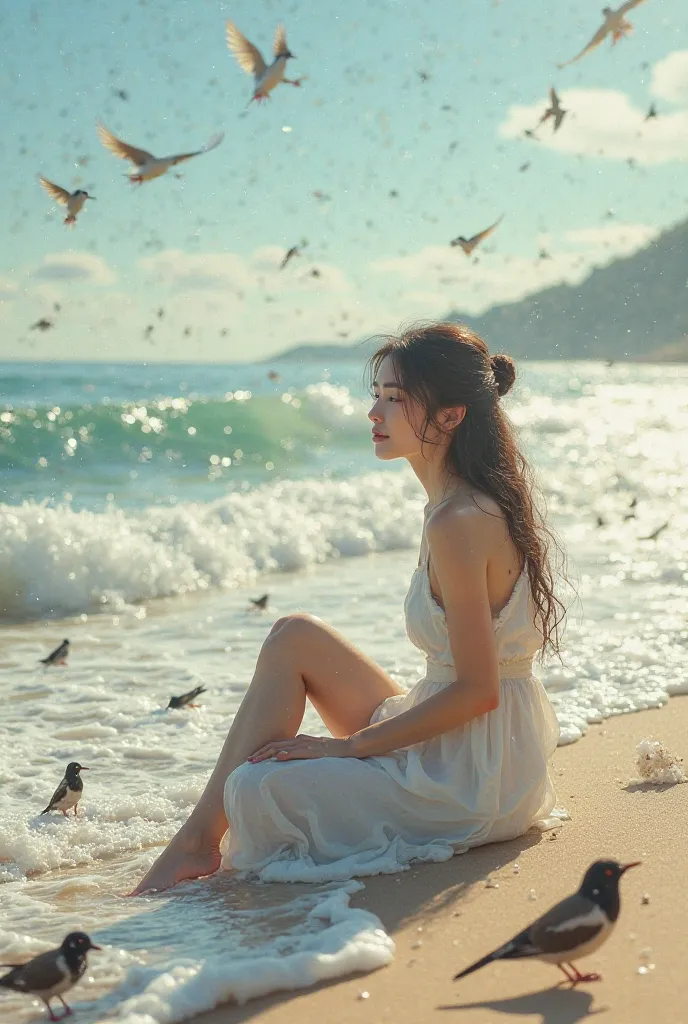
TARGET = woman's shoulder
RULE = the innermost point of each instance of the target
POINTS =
(470, 517)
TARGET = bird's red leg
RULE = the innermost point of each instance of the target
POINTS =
(65, 813)
(75, 807)
(569, 977)
(50, 1010)
(593, 976)
(68, 1010)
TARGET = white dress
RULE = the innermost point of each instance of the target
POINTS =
(333, 818)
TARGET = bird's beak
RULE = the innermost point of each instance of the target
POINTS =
(633, 864)
(92, 197)
(84, 768)
(99, 948)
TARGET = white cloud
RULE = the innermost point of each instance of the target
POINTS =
(74, 266)
(442, 277)
(623, 239)
(8, 289)
(227, 271)
(670, 78)
(214, 271)
(604, 123)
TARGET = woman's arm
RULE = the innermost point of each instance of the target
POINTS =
(459, 546)
(452, 707)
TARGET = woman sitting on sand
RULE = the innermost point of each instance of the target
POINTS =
(461, 758)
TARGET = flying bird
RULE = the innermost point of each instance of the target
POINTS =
(294, 251)
(74, 201)
(614, 23)
(50, 974)
(469, 244)
(60, 654)
(185, 701)
(577, 926)
(250, 59)
(652, 112)
(150, 166)
(260, 603)
(655, 533)
(42, 325)
(554, 110)
(69, 792)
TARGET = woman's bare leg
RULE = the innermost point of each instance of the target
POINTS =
(301, 657)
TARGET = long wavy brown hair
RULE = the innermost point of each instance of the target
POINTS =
(442, 365)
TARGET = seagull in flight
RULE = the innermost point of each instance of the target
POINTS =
(614, 23)
(149, 166)
(250, 59)
(74, 201)
(554, 110)
(469, 244)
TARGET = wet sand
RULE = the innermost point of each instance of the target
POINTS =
(443, 917)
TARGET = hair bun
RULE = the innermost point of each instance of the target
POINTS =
(504, 370)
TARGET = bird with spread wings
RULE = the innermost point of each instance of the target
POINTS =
(249, 58)
(615, 24)
(149, 166)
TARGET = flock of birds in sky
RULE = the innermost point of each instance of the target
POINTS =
(267, 76)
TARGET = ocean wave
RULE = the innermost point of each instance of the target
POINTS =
(57, 560)
(187, 432)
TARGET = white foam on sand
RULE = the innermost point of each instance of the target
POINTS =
(333, 940)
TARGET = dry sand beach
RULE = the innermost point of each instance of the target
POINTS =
(443, 917)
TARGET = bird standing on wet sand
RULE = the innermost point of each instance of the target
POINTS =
(576, 927)
(469, 244)
(50, 974)
(250, 59)
(186, 698)
(74, 201)
(69, 792)
(614, 24)
(58, 656)
(150, 166)
(554, 110)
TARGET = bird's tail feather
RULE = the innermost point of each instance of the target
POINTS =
(477, 965)
(517, 948)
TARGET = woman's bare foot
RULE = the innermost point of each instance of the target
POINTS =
(188, 856)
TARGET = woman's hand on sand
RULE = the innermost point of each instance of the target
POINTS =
(303, 748)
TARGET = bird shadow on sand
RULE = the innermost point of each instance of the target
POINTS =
(557, 1005)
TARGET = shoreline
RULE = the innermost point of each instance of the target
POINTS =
(443, 916)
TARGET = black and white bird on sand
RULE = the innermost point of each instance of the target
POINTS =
(576, 927)
(68, 793)
(51, 974)
(185, 701)
(58, 656)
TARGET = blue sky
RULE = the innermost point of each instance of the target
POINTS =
(206, 246)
